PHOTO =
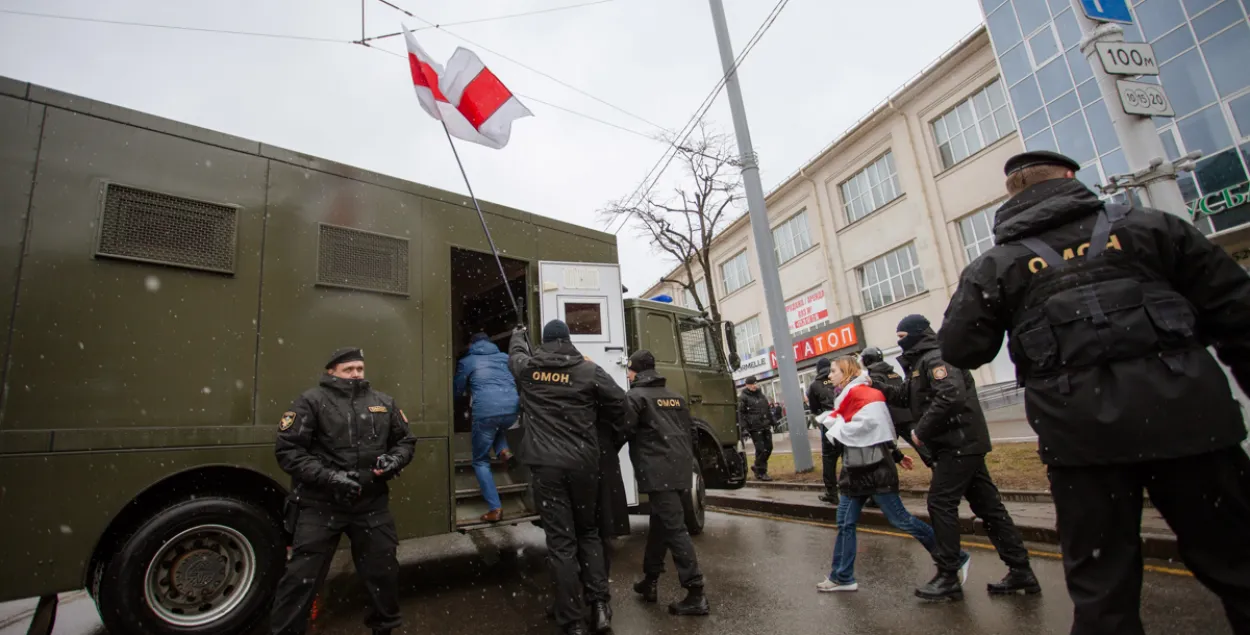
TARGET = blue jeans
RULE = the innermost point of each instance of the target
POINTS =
(488, 433)
(891, 505)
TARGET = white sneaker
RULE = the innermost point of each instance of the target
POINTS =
(963, 570)
(829, 586)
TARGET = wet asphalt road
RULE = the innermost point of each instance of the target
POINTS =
(761, 579)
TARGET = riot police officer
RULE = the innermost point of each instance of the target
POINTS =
(881, 373)
(756, 417)
(661, 446)
(949, 421)
(1110, 310)
(820, 399)
(565, 399)
(341, 442)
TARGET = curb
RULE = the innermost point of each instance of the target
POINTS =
(1010, 495)
(1154, 546)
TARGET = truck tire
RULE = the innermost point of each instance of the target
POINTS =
(201, 566)
(694, 504)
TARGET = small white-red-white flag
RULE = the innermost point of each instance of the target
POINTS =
(466, 96)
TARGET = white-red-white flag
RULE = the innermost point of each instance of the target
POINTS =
(466, 96)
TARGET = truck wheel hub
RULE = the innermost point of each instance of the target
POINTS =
(201, 573)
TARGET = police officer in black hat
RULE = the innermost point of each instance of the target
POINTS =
(756, 417)
(820, 397)
(1110, 311)
(660, 433)
(881, 372)
(949, 421)
(565, 399)
(341, 442)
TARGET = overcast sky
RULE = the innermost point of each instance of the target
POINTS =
(824, 64)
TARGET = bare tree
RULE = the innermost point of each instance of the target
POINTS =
(683, 222)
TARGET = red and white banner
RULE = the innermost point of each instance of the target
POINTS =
(806, 310)
(466, 96)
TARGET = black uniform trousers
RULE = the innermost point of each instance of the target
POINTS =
(374, 541)
(763, 441)
(830, 452)
(1204, 498)
(567, 500)
(957, 477)
(668, 533)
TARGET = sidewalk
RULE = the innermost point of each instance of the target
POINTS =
(1034, 516)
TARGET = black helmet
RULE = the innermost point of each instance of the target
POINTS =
(870, 355)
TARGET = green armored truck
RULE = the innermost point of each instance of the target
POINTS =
(166, 291)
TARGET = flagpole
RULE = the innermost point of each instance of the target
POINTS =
(515, 307)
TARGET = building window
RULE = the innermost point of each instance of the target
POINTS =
(975, 123)
(700, 287)
(791, 238)
(890, 278)
(870, 188)
(735, 272)
(977, 232)
(747, 333)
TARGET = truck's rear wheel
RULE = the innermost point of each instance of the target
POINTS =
(694, 504)
(207, 565)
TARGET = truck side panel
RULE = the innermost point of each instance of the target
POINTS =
(106, 343)
(20, 125)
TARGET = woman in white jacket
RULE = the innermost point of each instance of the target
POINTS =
(861, 422)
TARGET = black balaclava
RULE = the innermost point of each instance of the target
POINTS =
(914, 326)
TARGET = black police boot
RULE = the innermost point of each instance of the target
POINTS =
(832, 499)
(764, 477)
(601, 617)
(694, 604)
(943, 586)
(576, 628)
(646, 588)
(1017, 580)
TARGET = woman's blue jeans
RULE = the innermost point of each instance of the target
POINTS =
(849, 508)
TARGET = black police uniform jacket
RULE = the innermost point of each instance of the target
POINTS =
(563, 398)
(341, 425)
(942, 400)
(821, 394)
(660, 433)
(754, 413)
(1131, 381)
(882, 373)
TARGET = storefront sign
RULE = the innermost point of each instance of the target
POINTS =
(752, 366)
(806, 310)
(1221, 201)
(843, 336)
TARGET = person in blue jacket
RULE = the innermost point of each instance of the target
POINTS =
(485, 375)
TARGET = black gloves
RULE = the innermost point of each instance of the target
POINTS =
(388, 464)
(344, 484)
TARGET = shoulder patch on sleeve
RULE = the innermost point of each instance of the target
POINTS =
(892, 376)
(939, 372)
(288, 419)
(915, 373)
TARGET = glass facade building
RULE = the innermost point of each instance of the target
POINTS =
(1203, 50)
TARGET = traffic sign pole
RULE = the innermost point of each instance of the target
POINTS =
(1139, 139)
(783, 344)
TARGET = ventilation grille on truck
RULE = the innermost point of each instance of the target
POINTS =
(169, 230)
(361, 260)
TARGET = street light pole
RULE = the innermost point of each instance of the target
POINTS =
(1139, 139)
(783, 344)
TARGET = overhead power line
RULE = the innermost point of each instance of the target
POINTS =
(667, 158)
(480, 20)
(173, 27)
(317, 39)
